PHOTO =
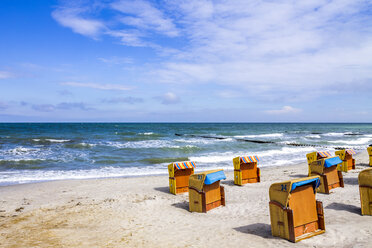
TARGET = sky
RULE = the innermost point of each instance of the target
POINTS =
(186, 61)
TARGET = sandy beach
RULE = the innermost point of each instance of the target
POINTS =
(140, 212)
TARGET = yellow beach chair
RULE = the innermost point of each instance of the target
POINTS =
(179, 174)
(245, 170)
(365, 190)
(311, 157)
(330, 177)
(348, 163)
(205, 191)
(369, 149)
(294, 212)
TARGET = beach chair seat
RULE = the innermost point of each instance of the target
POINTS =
(179, 173)
(295, 213)
(365, 191)
(330, 176)
(369, 150)
(246, 170)
(348, 162)
(313, 156)
(205, 191)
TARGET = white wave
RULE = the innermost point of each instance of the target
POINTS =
(28, 176)
(52, 140)
(57, 140)
(20, 150)
(336, 134)
(203, 141)
(360, 141)
(145, 144)
(87, 144)
(148, 133)
(313, 136)
(269, 135)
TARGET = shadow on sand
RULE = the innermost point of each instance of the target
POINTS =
(182, 205)
(344, 207)
(228, 182)
(163, 189)
(351, 181)
(259, 229)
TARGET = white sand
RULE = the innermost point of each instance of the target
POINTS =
(139, 212)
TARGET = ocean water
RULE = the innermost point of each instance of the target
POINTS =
(31, 152)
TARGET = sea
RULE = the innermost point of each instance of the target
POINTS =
(35, 152)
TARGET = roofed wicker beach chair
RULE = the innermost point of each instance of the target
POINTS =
(311, 157)
(369, 150)
(294, 212)
(348, 163)
(365, 190)
(205, 191)
(179, 174)
(330, 177)
(246, 170)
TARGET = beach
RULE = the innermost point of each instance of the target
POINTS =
(140, 212)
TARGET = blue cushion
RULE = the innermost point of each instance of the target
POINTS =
(332, 161)
(214, 177)
(314, 181)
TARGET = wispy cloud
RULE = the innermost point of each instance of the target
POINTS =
(143, 15)
(59, 106)
(71, 16)
(98, 86)
(116, 60)
(275, 49)
(5, 75)
(128, 99)
(43, 107)
(169, 98)
(3, 106)
(284, 110)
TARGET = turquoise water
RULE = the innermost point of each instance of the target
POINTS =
(31, 152)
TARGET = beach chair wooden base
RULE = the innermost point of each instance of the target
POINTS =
(330, 179)
(249, 173)
(213, 196)
(180, 182)
(366, 199)
(303, 219)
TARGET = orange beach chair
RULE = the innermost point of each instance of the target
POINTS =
(246, 170)
(295, 214)
(179, 174)
(205, 191)
(311, 157)
(348, 163)
(365, 190)
(330, 177)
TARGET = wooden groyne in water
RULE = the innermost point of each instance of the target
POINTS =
(258, 141)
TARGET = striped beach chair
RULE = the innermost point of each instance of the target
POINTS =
(313, 156)
(246, 170)
(348, 162)
(179, 173)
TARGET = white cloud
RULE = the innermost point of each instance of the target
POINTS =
(169, 98)
(5, 75)
(71, 17)
(145, 16)
(98, 86)
(278, 48)
(283, 110)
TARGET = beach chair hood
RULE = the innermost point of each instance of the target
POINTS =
(332, 161)
(365, 177)
(281, 192)
(207, 177)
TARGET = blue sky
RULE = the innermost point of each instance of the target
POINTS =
(192, 60)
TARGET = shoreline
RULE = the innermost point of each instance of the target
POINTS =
(116, 212)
